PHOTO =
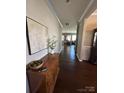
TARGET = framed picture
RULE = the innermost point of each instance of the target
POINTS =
(37, 36)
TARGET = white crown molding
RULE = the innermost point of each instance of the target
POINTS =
(85, 11)
(54, 12)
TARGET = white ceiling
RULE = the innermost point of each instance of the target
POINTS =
(69, 12)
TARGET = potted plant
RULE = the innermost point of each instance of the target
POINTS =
(52, 44)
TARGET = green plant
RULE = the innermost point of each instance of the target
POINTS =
(52, 43)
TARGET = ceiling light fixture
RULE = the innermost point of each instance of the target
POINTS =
(67, 1)
(67, 24)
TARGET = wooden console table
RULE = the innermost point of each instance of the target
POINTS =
(44, 81)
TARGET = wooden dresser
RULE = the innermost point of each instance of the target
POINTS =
(44, 81)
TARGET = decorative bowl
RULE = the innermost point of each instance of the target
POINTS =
(35, 65)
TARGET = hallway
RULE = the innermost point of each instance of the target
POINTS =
(75, 76)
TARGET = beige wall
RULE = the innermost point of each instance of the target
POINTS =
(88, 38)
(91, 22)
(40, 11)
(90, 25)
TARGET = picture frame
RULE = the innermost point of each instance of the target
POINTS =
(37, 36)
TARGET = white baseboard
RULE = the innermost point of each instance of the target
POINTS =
(79, 58)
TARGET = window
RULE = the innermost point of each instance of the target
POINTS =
(73, 37)
(69, 37)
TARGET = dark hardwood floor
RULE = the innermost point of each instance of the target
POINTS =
(75, 76)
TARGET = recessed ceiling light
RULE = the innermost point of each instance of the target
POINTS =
(67, 24)
(67, 1)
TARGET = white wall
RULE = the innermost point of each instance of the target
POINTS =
(80, 36)
(81, 49)
(40, 11)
